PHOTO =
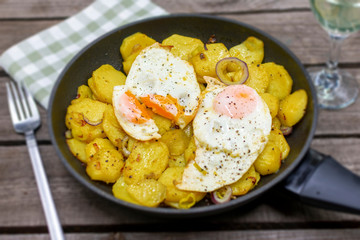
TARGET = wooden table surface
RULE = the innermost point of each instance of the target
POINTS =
(84, 215)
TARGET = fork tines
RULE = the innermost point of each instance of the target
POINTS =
(20, 102)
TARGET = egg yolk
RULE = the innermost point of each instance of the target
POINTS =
(167, 107)
(132, 109)
(236, 101)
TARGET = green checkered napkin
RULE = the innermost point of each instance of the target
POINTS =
(38, 60)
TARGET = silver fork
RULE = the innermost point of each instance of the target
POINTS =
(26, 119)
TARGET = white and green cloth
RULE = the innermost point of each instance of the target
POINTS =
(38, 60)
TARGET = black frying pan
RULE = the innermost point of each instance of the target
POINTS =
(311, 180)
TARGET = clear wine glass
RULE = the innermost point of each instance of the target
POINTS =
(336, 88)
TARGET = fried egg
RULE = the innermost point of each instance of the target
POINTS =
(133, 117)
(165, 83)
(231, 129)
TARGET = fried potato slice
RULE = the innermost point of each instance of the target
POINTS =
(277, 137)
(246, 183)
(148, 192)
(269, 161)
(77, 148)
(205, 61)
(250, 51)
(147, 160)
(176, 140)
(106, 165)
(112, 128)
(119, 190)
(182, 199)
(292, 108)
(280, 82)
(183, 46)
(272, 102)
(103, 81)
(94, 146)
(258, 78)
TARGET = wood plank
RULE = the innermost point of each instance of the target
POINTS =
(301, 234)
(79, 207)
(235, 6)
(302, 34)
(343, 150)
(17, 9)
(12, 9)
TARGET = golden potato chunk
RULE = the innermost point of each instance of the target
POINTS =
(104, 79)
(272, 102)
(112, 128)
(134, 44)
(177, 161)
(250, 51)
(277, 137)
(106, 165)
(176, 140)
(83, 92)
(164, 124)
(292, 108)
(94, 146)
(92, 87)
(205, 61)
(92, 110)
(147, 160)
(258, 78)
(119, 190)
(269, 161)
(246, 183)
(77, 148)
(183, 46)
(280, 82)
(148, 192)
(189, 153)
(182, 199)
(129, 61)
(276, 123)
(81, 130)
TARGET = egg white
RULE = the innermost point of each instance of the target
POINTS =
(157, 71)
(226, 147)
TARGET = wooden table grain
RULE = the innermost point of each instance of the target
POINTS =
(85, 215)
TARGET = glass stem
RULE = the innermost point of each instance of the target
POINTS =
(331, 69)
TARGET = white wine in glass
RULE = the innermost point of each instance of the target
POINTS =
(335, 88)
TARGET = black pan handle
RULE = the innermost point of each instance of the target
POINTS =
(323, 182)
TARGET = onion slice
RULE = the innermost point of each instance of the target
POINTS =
(124, 143)
(286, 130)
(221, 195)
(92, 123)
(205, 47)
(232, 70)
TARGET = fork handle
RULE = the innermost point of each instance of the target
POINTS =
(52, 219)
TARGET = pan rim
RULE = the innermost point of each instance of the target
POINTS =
(196, 211)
